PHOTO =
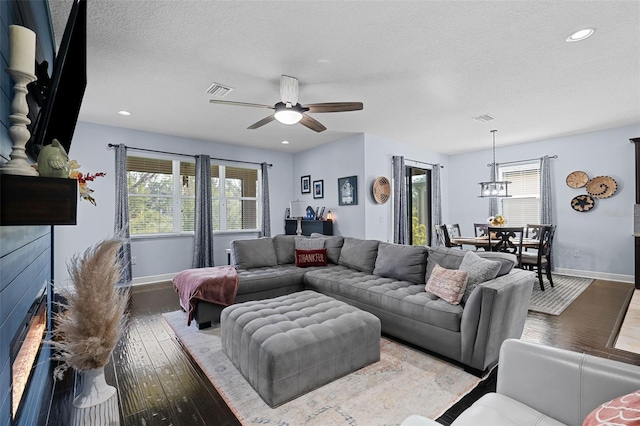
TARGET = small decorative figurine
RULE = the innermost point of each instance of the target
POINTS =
(53, 161)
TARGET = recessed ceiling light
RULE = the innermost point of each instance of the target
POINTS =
(123, 112)
(580, 35)
(285, 142)
(324, 61)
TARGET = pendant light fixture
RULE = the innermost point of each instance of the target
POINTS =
(495, 188)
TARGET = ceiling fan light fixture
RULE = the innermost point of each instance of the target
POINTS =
(287, 114)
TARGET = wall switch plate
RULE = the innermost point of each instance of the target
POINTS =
(576, 253)
(134, 260)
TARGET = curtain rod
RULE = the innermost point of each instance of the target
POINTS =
(522, 161)
(185, 155)
(423, 162)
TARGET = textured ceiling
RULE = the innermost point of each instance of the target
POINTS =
(422, 69)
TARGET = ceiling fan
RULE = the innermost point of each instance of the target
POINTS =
(289, 111)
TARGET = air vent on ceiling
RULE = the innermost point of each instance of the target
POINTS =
(484, 118)
(219, 90)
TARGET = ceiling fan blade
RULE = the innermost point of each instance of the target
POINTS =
(289, 89)
(312, 123)
(214, 101)
(334, 107)
(262, 122)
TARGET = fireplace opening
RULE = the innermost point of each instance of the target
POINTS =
(25, 348)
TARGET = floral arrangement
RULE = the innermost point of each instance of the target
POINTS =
(89, 324)
(497, 220)
(85, 191)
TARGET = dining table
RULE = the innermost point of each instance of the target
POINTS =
(483, 242)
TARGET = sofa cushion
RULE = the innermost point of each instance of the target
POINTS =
(507, 260)
(447, 284)
(306, 243)
(404, 263)
(497, 409)
(333, 244)
(306, 258)
(285, 247)
(621, 411)
(359, 254)
(448, 258)
(401, 298)
(253, 253)
(479, 269)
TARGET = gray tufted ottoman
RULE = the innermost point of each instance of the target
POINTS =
(290, 345)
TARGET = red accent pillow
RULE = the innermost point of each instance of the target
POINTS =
(305, 258)
(624, 410)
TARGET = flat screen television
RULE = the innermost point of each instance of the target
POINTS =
(62, 98)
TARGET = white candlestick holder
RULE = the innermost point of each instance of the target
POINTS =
(18, 131)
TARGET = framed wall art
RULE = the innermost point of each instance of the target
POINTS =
(348, 191)
(305, 184)
(318, 189)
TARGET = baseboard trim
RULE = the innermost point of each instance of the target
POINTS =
(595, 275)
(153, 279)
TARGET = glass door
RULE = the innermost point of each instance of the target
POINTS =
(419, 205)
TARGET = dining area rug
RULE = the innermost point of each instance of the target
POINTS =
(405, 381)
(554, 300)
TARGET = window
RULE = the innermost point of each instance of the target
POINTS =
(162, 196)
(235, 207)
(524, 206)
(419, 205)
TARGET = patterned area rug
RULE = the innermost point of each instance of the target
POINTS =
(554, 300)
(405, 381)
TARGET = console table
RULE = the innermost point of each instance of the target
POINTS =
(308, 227)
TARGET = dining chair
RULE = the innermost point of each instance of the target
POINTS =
(440, 230)
(507, 240)
(480, 229)
(542, 259)
(533, 231)
(453, 231)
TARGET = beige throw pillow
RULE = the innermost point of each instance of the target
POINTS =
(447, 284)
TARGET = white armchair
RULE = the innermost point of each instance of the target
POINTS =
(545, 386)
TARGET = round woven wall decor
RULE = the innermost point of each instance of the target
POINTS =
(602, 187)
(577, 179)
(582, 203)
(381, 190)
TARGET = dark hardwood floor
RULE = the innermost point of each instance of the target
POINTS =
(160, 384)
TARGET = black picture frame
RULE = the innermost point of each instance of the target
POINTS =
(318, 188)
(305, 184)
(348, 191)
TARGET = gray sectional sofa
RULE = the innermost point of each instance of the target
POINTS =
(388, 280)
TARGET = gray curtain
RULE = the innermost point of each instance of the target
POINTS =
(203, 231)
(546, 207)
(493, 202)
(436, 201)
(400, 229)
(266, 213)
(121, 221)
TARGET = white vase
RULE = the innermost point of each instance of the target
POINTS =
(97, 402)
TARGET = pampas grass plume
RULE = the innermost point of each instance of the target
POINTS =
(91, 321)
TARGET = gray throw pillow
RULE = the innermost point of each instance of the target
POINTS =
(304, 243)
(507, 260)
(449, 258)
(359, 254)
(285, 247)
(402, 262)
(333, 244)
(254, 253)
(479, 269)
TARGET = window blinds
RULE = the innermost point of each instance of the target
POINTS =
(524, 206)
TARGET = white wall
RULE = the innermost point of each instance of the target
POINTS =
(378, 155)
(330, 162)
(603, 235)
(154, 256)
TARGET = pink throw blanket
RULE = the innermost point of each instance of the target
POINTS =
(218, 284)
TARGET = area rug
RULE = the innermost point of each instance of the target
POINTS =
(554, 300)
(405, 381)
